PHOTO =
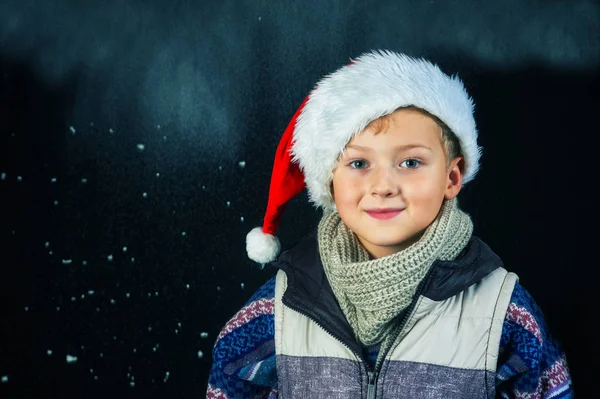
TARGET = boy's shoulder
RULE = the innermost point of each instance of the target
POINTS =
(290, 255)
(524, 315)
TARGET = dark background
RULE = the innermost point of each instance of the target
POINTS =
(136, 145)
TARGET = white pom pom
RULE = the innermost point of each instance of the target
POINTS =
(262, 248)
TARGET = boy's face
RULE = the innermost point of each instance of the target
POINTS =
(402, 169)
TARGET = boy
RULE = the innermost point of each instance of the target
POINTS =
(392, 296)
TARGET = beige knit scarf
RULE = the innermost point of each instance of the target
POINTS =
(371, 293)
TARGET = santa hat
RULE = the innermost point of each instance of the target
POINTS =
(340, 106)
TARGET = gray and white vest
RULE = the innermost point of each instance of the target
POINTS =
(446, 347)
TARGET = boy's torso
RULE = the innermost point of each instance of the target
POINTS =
(446, 345)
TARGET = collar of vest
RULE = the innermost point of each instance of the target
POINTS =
(309, 292)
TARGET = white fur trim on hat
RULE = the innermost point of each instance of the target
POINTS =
(376, 84)
(261, 247)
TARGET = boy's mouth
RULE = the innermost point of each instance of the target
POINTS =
(384, 213)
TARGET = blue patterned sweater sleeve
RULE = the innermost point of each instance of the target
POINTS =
(531, 362)
(244, 352)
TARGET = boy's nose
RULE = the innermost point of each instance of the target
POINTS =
(384, 185)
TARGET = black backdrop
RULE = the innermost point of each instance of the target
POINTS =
(136, 143)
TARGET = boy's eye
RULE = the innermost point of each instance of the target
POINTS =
(358, 164)
(411, 163)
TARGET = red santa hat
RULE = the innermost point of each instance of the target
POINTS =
(340, 106)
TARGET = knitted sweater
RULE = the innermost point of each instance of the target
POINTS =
(531, 363)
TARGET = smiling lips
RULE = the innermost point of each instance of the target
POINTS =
(384, 213)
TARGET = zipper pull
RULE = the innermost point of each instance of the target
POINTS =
(372, 388)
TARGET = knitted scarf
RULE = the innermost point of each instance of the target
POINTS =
(371, 293)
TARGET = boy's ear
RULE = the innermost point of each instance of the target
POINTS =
(454, 177)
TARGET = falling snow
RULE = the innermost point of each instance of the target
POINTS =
(71, 359)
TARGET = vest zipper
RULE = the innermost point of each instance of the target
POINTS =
(372, 388)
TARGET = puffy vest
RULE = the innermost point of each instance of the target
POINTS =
(446, 346)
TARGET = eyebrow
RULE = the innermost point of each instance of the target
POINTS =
(397, 148)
